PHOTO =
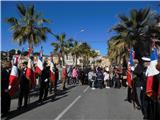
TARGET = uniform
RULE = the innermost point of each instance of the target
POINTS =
(24, 88)
(44, 83)
(5, 98)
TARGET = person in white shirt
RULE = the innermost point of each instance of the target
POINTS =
(92, 78)
(106, 78)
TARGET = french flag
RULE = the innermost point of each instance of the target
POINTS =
(52, 73)
(130, 66)
(15, 60)
(30, 74)
(151, 71)
(13, 80)
(39, 67)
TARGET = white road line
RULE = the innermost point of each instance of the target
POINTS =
(85, 90)
(65, 110)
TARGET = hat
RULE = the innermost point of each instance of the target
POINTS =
(146, 59)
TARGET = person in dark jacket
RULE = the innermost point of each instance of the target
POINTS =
(44, 82)
(56, 78)
(5, 98)
(24, 86)
(138, 82)
(100, 78)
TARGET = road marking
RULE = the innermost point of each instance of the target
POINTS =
(85, 90)
(65, 110)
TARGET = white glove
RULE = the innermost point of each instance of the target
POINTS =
(45, 80)
(141, 88)
(132, 68)
(9, 87)
(127, 83)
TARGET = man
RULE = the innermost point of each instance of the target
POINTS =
(69, 74)
(44, 84)
(56, 79)
(5, 98)
(100, 78)
(145, 100)
(138, 81)
(24, 86)
(92, 78)
(106, 78)
(158, 92)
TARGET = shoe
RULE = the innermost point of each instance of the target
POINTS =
(25, 106)
(93, 88)
(107, 87)
(138, 107)
(19, 108)
(128, 100)
(40, 101)
(145, 118)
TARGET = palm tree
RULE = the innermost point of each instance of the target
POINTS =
(132, 32)
(93, 54)
(60, 45)
(29, 27)
(117, 50)
(85, 51)
(76, 51)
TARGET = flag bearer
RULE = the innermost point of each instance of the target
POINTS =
(5, 98)
(24, 86)
(44, 82)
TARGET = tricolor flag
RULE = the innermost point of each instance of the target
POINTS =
(130, 66)
(52, 73)
(29, 71)
(39, 66)
(13, 80)
(151, 71)
(15, 60)
(30, 50)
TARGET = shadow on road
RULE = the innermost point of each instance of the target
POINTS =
(60, 94)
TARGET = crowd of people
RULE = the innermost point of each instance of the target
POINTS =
(94, 76)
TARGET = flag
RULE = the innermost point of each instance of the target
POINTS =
(29, 52)
(29, 71)
(15, 59)
(151, 71)
(52, 73)
(13, 80)
(39, 66)
(130, 66)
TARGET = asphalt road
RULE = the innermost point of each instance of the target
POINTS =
(79, 103)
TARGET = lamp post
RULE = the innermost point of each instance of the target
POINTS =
(82, 30)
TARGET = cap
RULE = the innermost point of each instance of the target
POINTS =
(146, 59)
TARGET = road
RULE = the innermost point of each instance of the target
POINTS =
(79, 103)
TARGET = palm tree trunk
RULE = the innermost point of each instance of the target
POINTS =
(76, 59)
(63, 61)
(31, 42)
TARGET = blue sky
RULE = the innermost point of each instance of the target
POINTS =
(96, 18)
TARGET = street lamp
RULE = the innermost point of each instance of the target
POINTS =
(82, 30)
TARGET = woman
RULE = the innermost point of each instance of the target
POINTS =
(74, 75)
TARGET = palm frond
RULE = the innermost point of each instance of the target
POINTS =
(21, 9)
